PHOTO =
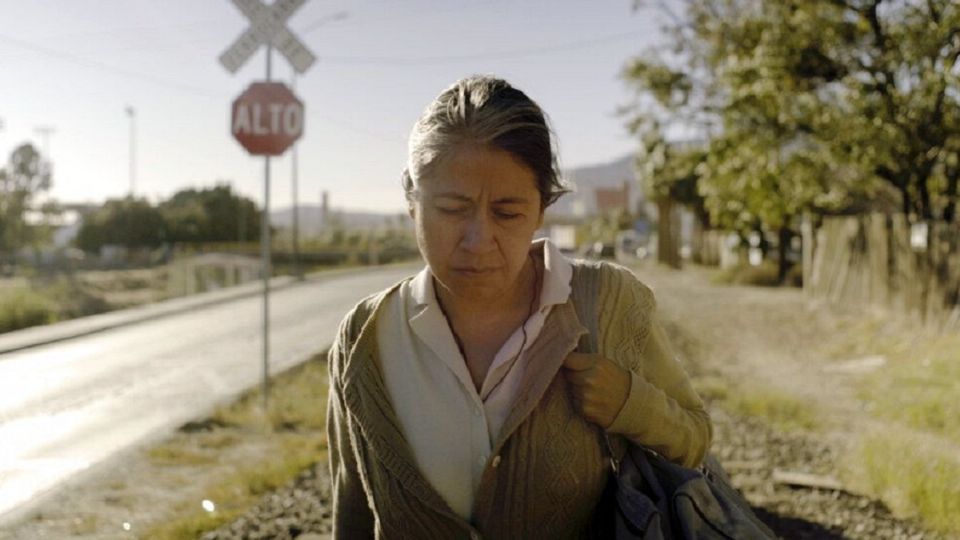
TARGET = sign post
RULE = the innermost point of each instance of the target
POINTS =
(267, 117)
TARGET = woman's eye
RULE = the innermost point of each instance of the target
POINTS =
(451, 210)
(506, 215)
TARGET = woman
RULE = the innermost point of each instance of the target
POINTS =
(459, 405)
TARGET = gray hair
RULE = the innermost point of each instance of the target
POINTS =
(485, 110)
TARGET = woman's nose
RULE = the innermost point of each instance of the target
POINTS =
(478, 233)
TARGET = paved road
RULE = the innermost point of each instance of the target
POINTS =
(71, 404)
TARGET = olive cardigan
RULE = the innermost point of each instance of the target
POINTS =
(548, 466)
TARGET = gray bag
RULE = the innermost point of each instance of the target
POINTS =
(652, 498)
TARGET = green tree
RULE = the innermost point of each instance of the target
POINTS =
(211, 215)
(132, 223)
(23, 179)
(901, 103)
(810, 105)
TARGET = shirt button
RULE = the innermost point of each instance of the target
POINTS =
(496, 461)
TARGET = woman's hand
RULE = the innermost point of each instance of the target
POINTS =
(600, 387)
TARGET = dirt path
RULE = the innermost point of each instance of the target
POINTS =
(769, 337)
(772, 341)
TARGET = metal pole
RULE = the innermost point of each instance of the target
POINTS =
(45, 132)
(241, 221)
(296, 211)
(132, 113)
(265, 258)
(133, 154)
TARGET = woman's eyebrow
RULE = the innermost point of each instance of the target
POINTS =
(452, 195)
(512, 200)
(461, 197)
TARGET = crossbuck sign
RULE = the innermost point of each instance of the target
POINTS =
(268, 25)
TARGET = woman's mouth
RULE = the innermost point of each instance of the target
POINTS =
(473, 270)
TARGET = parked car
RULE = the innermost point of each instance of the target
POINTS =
(631, 245)
(598, 250)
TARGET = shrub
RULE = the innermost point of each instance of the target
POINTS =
(22, 308)
(72, 300)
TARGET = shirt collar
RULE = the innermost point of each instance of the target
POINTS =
(421, 288)
(557, 273)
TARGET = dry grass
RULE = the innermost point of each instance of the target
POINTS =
(294, 430)
(781, 410)
(920, 387)
(914, 474)
(233, 494)
(912, 463)
(85, 524)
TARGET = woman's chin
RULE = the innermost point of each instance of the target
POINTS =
(477, 285)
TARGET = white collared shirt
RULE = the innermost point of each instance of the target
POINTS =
(451, 427)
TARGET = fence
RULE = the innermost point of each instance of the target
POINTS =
(884, 261)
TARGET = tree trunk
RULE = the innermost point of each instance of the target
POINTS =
(926, 210)
(667, 250)
(949, 211)
(784, 235)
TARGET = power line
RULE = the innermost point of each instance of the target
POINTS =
(431, 11)
(499, 55)
(67, 57)
(138, 31)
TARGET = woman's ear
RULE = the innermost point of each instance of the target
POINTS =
(409, 191)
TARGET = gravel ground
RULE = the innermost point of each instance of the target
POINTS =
(748, 448)
(750, 451)
(301, 507)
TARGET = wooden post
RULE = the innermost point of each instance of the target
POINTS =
(806, 237)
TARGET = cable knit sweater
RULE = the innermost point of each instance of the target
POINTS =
(549, 466)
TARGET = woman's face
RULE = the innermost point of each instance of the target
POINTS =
(475, 218)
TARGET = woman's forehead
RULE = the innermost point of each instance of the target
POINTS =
(471, 169)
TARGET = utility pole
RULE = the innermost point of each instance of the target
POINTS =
(295, 167)
(267, 28)
(241, 220)
(265, 257)
(45, 132)
(295, 177)
(132, 114)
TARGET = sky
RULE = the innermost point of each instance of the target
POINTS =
(75, 66)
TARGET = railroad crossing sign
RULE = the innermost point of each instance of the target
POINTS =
(267, 26)
(267, 118)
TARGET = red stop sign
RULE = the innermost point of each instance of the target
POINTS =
(267, 118)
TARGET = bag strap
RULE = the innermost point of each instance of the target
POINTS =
(585, 294)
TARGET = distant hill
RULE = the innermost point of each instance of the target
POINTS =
(581, 203)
